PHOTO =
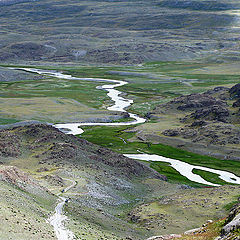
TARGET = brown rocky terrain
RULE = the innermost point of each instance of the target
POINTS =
(41, 161)
(55, 147)
(210, 119)
(209, 116)
(112, 32)
(16, 177)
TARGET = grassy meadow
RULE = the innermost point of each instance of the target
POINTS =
(60, 100)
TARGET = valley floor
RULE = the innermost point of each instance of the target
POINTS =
(114, 197)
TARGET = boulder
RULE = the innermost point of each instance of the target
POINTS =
(237, 103)
(196, 101)
(171, 132)
(232, 223)
(215, 112)
(235, 91)
(165, 237)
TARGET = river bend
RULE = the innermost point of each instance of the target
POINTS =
(120, 105)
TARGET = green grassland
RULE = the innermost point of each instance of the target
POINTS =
(53, 100)
(160, 82)
(111, 137)
(60, 100)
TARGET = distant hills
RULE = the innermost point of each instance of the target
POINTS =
(10, 2)
(199, 5)
(119, 32)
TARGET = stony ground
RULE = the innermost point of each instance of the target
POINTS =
(224, 229)
(24, 206)
(208, 123)
(108, 184)
(112, 32)
(186, 210)
(115, 197)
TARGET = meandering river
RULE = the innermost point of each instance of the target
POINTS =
(120, 105)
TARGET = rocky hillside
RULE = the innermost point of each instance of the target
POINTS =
(232, 224)
(114, 197)
(23, 181)
(224, 229)
(47, 146)
(24, 206)
(112, 32)
(10, 2)
(209, 117)
(209, 121)
(189, 209)
(108, 184)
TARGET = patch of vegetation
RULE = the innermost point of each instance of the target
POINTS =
(172, 175)
(230, 205)
(188, 209)
(210, 177)
(23, 215)
(208, 233)
(111, 137)
(51, 87)
(8, 121)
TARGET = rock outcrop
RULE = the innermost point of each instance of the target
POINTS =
(235, 91)
(209, 117)
(61, 149)
(232, 225)
(20, 179)
(165, 237)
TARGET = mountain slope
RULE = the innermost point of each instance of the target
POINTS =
(206, 123)
(114, 197)
(108, 184)
(24, 206)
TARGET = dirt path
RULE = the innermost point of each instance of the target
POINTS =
(58, 219)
